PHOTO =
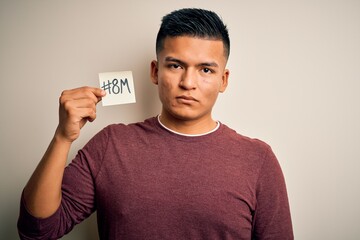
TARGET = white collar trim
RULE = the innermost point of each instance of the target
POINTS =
(188, 135)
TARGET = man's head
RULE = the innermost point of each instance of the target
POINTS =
(196, 23)
(190, 70)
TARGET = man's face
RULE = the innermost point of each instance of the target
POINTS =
(190, 73)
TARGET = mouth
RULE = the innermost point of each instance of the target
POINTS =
(186, 99)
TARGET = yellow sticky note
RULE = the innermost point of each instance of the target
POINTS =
(119, 87)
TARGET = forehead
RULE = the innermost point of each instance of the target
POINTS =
(185, 47)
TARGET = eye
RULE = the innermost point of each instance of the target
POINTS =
(174, 66)
(207, 70)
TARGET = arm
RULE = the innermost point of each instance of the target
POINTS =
(42, 194)
(272, 219)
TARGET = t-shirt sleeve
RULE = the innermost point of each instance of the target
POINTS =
(272, 218)
(78, 195)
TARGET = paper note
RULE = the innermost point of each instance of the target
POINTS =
(119, 87)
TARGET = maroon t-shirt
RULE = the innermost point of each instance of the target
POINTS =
(146, 182)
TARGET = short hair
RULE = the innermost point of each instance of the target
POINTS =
(193, 22)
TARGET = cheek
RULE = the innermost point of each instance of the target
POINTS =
(213, 96)
(167, 81)
(210, 87)
(165, 89)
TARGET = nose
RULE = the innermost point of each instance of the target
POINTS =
(188, 80)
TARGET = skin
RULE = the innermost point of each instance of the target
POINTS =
(190, 73)
(42, 193)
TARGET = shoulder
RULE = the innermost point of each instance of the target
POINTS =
(245, 143)
(129, 131)
(145, 125)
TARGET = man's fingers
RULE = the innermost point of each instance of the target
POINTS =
(84, 92)
(87, 114)
(77, 106)
(80, 103)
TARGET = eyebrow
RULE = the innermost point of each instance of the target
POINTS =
(204, 64)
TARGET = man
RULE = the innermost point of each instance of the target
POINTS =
(180, 175)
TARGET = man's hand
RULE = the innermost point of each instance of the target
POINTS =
(42, 193)
(77, 106)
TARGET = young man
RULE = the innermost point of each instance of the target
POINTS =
(180, 175)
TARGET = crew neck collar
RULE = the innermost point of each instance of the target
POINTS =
(188, 135)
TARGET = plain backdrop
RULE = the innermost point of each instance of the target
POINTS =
(294, 83)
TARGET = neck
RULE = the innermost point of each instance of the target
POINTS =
(191, 127)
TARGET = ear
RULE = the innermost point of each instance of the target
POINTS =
(154, 71)
(224, 80)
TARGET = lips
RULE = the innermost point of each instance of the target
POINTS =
(186, 99)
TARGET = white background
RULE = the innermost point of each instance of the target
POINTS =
(294, 83)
